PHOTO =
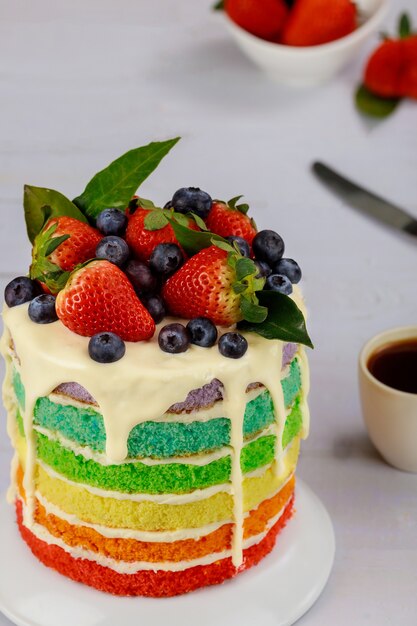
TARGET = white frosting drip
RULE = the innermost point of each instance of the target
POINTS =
(142, 385)
(123, 567)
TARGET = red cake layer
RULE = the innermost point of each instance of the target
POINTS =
(147, 583)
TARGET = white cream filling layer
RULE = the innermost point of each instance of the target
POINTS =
(123, 567)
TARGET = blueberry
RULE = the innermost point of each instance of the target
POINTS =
(174, 338)
(112, 222)
(202, 332)
(140, 276)
(20, 290)
(166, 258)
(192, 200)
(290, 268)
(155, 306)
(113, 249)
(42, 309)
(279, 282)
(106, 347)
(168, 205)
(263, 269)
(233, 345)
(242, 244)
(268, 246)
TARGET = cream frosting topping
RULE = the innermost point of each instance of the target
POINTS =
(142, 386)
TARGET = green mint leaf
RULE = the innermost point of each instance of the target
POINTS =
(226, 246)
(404, 26)
(116, 184)
(284, 321)
(200, 222)
(252, 313)
(370, 104)
(245, 267)
(41, 204)
(54, 242)
(218, 6)
(192, 241)
(180, 218)
(145, 204)
(155, 220)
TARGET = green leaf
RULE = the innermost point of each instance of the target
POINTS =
(404, 26)
(227, 247)
(218, 6)
(373, 105)
(54, 242)
(239, 287)
(180, 218)
(155, 220)
(242, 208)
(245, 267)
(252, 313)
(115, 185)
(41, 203)
(200, 223)
(284, 321)
(144, 203)
(193, 240)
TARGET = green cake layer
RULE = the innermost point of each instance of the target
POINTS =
(164, 439)
(137, 477)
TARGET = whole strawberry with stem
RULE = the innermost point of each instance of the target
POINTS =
(218, 283)
(231, 219)
(391, 71)
(63, 243)
(148, 227)
(98, 297)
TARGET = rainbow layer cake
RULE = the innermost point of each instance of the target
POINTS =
(156, 385)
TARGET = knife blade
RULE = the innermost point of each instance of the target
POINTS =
(365, 201)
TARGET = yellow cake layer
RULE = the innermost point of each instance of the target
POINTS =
(151, 516)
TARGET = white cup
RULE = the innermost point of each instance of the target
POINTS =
(390, 415)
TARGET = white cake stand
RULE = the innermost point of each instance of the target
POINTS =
(275, 593)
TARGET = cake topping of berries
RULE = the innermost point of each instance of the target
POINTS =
(197, 259)
(191, 200)
(106, 347)
(202, 332)
(63, 243)
(99, 297)
(20, 290)
(42, 309)
(233, 345)
(174, 338)
(113, 249)
(112, 222)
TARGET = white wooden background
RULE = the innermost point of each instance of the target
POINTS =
(83, 81)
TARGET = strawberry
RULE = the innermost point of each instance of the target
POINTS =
(99, 297)
(384, 68)
(408, 79)
(216, 283)
(262, 18)
(142, 236)
(314, 22)
(63, 243)
(231, 219)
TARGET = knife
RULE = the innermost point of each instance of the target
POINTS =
(365, 201)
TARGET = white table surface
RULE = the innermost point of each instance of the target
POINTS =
(84, 82)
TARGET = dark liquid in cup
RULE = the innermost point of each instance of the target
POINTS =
(395, 365)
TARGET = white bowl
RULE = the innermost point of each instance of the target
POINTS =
(310, 65)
